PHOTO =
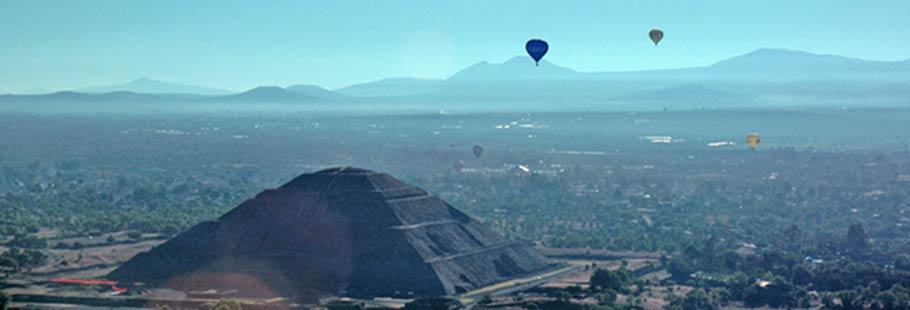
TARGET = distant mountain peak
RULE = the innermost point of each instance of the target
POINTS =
(524, 61)
(269, 94)
(315, 91)
(770, 50)
(515, 68)
(145, 85)
(268, 91)
(146, 81)
(784, 64)
(785, 57)
(520, 60)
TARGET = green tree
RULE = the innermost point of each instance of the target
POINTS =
(33, 258)
(721, 295)
(827, 301)
(28, 242)
(897, 297)
(4, 300)
(856, 238)
(792, 237)
(888, 300)
(777, 293)
(8, 265)
(849, 300)
(696, 299)
(606, 298)
(133, 234)
(615, 280)
(170, 230)
(227, 304)
(680, 269)
(902, 263)
(562, 295)
(738, 283)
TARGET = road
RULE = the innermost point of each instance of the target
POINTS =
(471, 298)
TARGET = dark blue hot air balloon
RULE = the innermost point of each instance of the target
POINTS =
(537, 48)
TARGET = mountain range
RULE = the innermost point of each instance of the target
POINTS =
(149, 86)
(759, 78)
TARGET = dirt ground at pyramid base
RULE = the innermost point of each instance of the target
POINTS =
(97, 257)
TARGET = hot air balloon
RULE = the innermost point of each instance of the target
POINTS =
(753, 140)
(478, 150)
(656, 35)
(537, 48)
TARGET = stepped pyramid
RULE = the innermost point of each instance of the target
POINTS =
(338, 231)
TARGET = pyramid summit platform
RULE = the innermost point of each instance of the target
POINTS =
(341, 231)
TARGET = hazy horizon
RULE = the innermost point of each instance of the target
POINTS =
(142, 78)
(74, 44)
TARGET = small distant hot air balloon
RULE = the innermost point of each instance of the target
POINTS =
(537, 48)
(478, 150)
(656, 35)
(753, 140)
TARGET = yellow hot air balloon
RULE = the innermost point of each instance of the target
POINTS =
(753, 140)
(656, 35)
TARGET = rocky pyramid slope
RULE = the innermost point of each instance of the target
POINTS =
(338, 231)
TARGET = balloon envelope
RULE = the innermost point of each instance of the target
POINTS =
(536, 49)
(753, 140)
(478, 150)
(656, 35)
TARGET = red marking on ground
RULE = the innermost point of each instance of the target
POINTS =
(113, 284)
(83, 281)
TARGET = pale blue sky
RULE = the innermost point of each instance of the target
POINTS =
(238, 45)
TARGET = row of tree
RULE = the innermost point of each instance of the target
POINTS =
(15, 259)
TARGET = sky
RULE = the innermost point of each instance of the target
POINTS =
(237, 45)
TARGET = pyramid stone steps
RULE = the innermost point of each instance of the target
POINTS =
(341, 230)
